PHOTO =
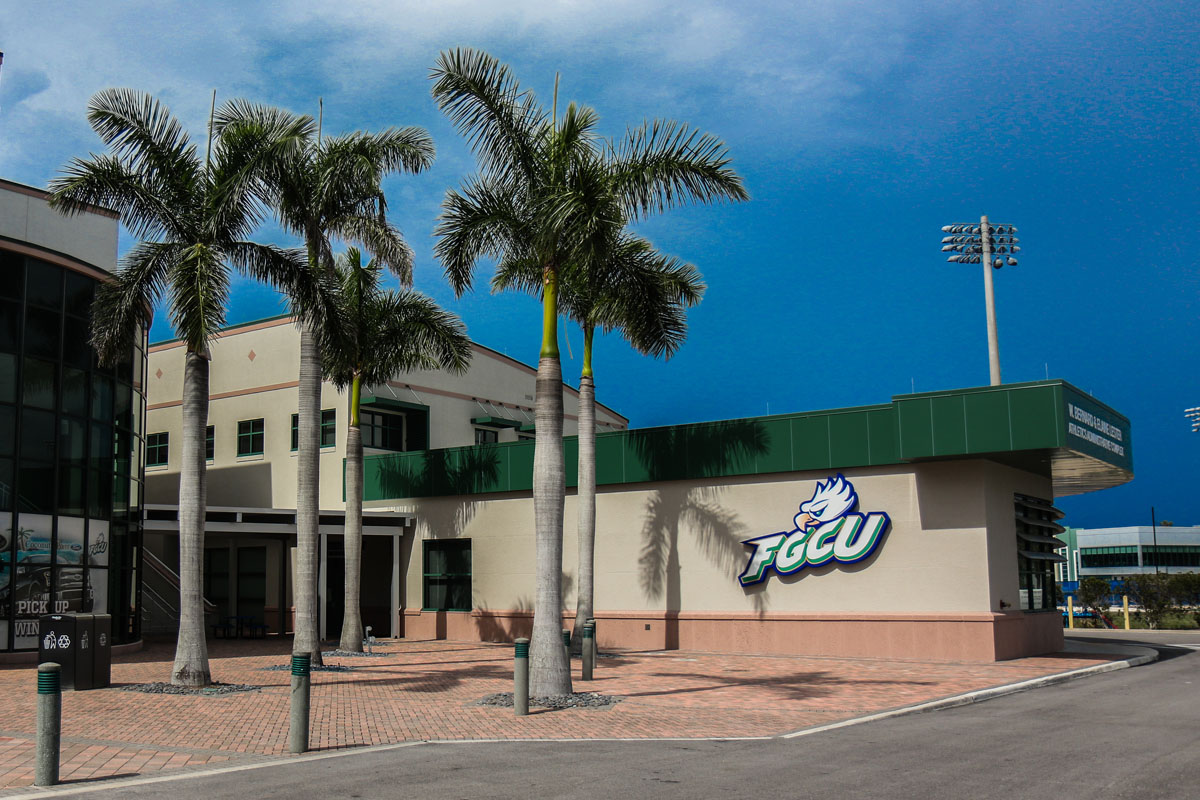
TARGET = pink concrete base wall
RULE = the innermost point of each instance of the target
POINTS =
(939, 637)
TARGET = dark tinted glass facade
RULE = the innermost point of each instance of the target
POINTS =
(71, 446)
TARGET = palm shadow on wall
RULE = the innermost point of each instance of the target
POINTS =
(672, 454)
(458, 472)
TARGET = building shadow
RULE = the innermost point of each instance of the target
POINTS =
(691, 452)
(457, 472)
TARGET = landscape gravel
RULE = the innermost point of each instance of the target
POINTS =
(314, 668)
(170, 688)
(558, 701)
(350, 654)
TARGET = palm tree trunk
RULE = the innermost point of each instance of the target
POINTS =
(308, 488)
(586, 495)
(191, 648)
(549, 670)
(352, 631)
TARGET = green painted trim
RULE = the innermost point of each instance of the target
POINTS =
(1021, 424)
(495, 422)
(388, 402)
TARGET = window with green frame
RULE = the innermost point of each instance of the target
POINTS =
(1093, 557)
(447, 574)
(157, 449)
(250, 437)
(1036, 552)
(210, 442)
(486, 436)
(1171, 555)
(381, 430)
(328, 429)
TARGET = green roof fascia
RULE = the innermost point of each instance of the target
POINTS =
(996, 421)
(496, 422)
(389, 402)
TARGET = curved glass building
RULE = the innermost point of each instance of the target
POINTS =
(71, 430)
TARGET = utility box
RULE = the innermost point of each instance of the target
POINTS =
(102, 654)
(58, 642)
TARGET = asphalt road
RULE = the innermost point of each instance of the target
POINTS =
(1133, 733)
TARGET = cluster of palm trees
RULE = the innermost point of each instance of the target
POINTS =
(551, 204)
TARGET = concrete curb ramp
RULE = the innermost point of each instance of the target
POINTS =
(1135, 656)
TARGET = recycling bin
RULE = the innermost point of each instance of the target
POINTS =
(83, 649)
(58, 642)
(102, 652)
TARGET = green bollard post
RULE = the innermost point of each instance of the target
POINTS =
(301, 679)
(567, 646)
(595, 641)
(521, 677)
(589, 653)
(49, 724)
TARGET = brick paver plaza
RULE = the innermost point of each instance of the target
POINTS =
(423, 690)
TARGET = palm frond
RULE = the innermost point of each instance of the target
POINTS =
(121, 304)
(199, 293)
(485, 219)
(104, 180)
(664, 163)
(379, 237)
(485, 102)
(143, 133)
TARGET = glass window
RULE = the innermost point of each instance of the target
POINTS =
(37, 435)
(36, 491)
(102, 448)
(210, 443)
(100, 494)
(8, 378)
(8, 431)
(157, 446)
(328, 429)
(123, 455)
(486, 436)
(122, 405)
(38, 380)
(74, 391)
(10, 326)
(43, 284)
(250, 436)
(72, 442)
(42, 329)
(382, 431)
(6, 484)
(447, 575)
(12, 274)
(77, 346)
(102, 399)
(70, 491)
(80, 291)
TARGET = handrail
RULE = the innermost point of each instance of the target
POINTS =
(169, 575)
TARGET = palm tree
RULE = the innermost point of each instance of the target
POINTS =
(626, 285)
(543, 189)
(331, 188)
(192, 216)
(383, 333)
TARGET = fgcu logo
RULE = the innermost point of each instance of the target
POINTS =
(827, 530)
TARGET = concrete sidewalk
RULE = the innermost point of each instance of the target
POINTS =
(427, 690)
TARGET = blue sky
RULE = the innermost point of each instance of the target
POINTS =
(860, 129)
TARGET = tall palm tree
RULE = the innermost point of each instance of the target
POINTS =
(382, 333)
(193, 216)
(330, 188)
(624, 285)
(544, 187)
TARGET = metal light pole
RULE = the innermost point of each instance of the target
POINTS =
(991, 246)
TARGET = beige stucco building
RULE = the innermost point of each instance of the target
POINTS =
(252, 472)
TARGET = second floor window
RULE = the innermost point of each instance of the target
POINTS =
(381, 430)
(157, 449)
(328, 429)
(250, 437)
(486, 436)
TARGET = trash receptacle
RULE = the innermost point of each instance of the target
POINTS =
(57, 642)
(102, 677)
(85, 653)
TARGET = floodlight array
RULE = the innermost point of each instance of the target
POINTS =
(1194, 415)
(966, 243)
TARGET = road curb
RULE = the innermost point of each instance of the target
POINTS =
(1137, 656)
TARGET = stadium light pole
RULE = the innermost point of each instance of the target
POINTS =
(991, 245)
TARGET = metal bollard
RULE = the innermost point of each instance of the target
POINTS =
(49, 724)
(521, 677)
(301, 678)
(567, 646)
(589, 652)
(1070, 611)
(595, 641)
(1125, 608)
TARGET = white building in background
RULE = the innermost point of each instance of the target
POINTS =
(1116, 552)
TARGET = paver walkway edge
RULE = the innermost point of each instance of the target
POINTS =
(1135, 656)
